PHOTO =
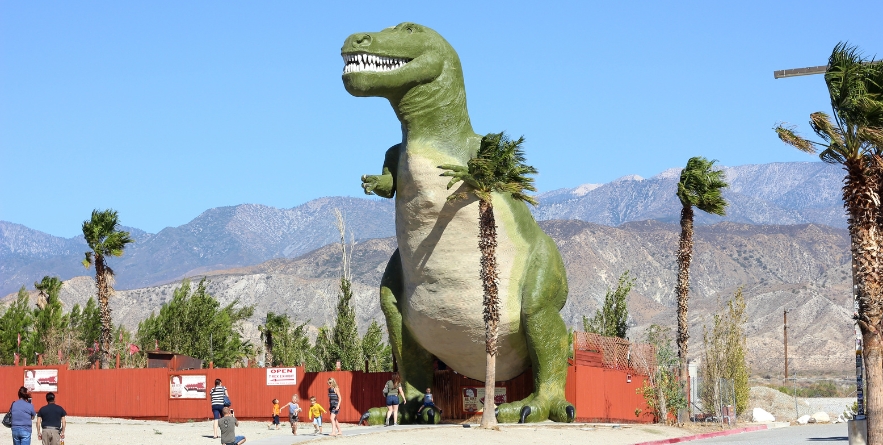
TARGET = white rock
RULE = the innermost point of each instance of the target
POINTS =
(822, 417)
(761, 415)
(803, 420)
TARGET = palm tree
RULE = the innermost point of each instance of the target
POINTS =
(854, 139)
(104, 238)
(700, 186)
(48, 318)
(498, 168)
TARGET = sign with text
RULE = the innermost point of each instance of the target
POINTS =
(41, 380)
(473, 398)
(281, 376)
(187, 386)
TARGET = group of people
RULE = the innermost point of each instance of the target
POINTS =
(393, 389)
(51, 422)
(314, 412)
(226, 421)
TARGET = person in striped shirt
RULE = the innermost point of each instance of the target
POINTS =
(218, 394)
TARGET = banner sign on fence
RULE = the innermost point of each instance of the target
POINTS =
(41, 380)
(281, 376)
(187, 387)
(473, 398)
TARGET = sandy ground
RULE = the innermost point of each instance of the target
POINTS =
(92, 430)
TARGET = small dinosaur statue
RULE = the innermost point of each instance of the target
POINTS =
(430, 293)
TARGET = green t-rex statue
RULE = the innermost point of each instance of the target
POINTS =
(431, 294)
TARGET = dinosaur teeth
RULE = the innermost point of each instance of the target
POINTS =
(354, 63)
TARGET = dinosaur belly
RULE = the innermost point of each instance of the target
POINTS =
(438, 244)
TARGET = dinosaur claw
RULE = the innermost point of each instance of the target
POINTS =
(364, 418)
(497, 412)
(571, 413)
(525, 411)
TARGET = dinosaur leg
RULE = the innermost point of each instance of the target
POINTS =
(548, 343)
(414, 362)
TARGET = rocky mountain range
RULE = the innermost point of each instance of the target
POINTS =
(802, 268)
(248, 234)
(782, 241)
(778, 193)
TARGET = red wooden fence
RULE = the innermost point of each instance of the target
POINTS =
(599, 394)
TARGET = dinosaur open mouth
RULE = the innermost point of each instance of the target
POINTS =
(368, 62)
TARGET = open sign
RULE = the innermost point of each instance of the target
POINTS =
(281, 376)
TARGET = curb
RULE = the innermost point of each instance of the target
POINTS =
(705, 435)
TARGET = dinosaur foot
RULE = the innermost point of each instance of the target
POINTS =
(375, 416)
(429, 416)
(536, 409)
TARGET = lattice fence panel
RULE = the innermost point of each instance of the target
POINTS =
(618, 353)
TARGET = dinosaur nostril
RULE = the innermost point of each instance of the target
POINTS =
(363, 40)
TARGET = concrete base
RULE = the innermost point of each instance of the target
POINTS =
(858, 432)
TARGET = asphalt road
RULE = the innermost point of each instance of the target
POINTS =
(792, 435)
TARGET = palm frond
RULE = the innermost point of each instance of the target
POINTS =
(790, 137)
(873, 136)
(822, 126)
(499, 166)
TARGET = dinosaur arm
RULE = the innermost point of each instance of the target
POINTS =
(384, 184)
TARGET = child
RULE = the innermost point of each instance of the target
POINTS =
(428, 402)
(316, 411)
(293, 413)
(276, 412)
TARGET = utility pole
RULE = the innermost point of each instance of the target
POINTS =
(785, 316)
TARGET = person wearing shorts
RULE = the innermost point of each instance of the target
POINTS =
(217, 396)
(228, 424)
(293, 413)
(392, 390)
(315, 414)
(334, 406)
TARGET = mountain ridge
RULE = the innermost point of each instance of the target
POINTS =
(249, 234)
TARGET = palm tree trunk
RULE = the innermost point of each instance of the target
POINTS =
(861, 199)
(487, 243)
(685, 255)
(104, 311)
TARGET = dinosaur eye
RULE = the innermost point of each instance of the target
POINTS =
(410, 30)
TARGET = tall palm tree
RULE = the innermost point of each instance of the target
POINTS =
(700, 186)
(854, 139)
(498, 168)
(104, 237)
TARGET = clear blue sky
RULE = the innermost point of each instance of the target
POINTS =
(162, 110)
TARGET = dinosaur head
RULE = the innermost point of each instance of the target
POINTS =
(391, 62)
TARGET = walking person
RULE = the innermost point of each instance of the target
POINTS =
(228, 425)
(22, 414)
(334, 405)
(315, 414)
(220, 400)
(51, 422)
(293, 413)
(392, 390)
(276, 412)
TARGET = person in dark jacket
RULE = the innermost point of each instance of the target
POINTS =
(22, 415)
